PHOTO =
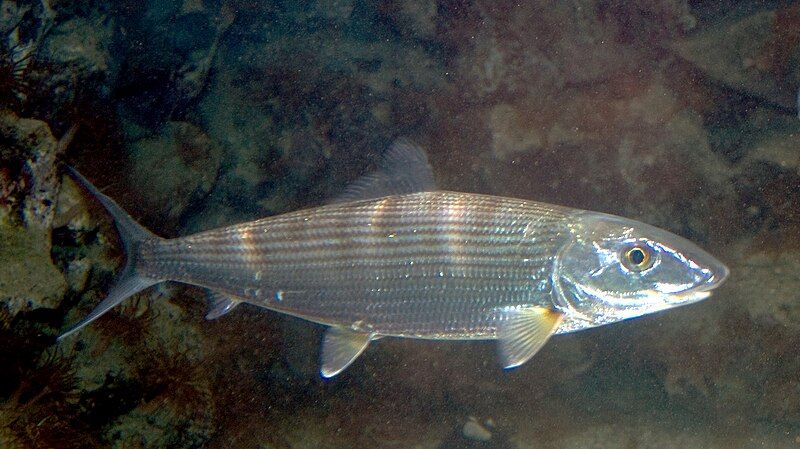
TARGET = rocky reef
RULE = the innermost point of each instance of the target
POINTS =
(198, 113)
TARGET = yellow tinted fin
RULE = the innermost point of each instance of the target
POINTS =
(339, 348)
(523, 330)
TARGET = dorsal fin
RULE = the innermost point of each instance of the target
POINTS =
(404, 169)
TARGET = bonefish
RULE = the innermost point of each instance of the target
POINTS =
(394, 257)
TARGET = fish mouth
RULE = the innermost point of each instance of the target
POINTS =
(714, 279)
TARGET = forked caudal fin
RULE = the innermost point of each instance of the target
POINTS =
(132, 235)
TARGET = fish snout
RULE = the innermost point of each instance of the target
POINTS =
(716, 276)
(708, 279)
(714, 272)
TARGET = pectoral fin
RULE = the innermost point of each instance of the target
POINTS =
(523, 330)
(339, 348)
(219, 304)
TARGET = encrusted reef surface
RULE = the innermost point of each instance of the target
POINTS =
(193, 114)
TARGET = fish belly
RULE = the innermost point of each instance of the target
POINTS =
(427, 265)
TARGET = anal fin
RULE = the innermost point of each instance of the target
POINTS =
(523, 330)
(340, 347)
(220, 304)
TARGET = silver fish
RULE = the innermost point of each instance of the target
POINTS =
(395, 257)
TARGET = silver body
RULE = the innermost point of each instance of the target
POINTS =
(427, 265)
(395, 257)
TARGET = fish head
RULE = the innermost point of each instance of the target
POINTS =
(612, 268)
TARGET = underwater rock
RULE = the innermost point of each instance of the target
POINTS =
(508, 49)
(738, 123)
(15, 55)
(167, 59)
(28, 278)
(192, 77)
(176, 330)
(584, 47)
(513, 133)
(11, 14)
(650, 435)
(180, 413)
(338, 11)
(494, 68)
(73, 71)
(768, 183)
(247, 133)
(138, 370)
(771, 276)
(296, 126)
(781, 150)
(647, 22)
(757, 54)
(477, 434)
(474, 430)
(641, 144)
(174, 172)
(28, 175)
(663, 170)
(467, 374)
(413, 19)
(28, 189)
(76, 248)
(80, 46)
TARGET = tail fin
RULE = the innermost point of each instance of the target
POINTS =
(132, 235)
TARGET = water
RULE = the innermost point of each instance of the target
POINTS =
(197, 114)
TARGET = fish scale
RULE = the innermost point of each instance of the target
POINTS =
(393, 256)
(451, 258)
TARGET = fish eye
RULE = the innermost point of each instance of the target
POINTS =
(637, 257)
